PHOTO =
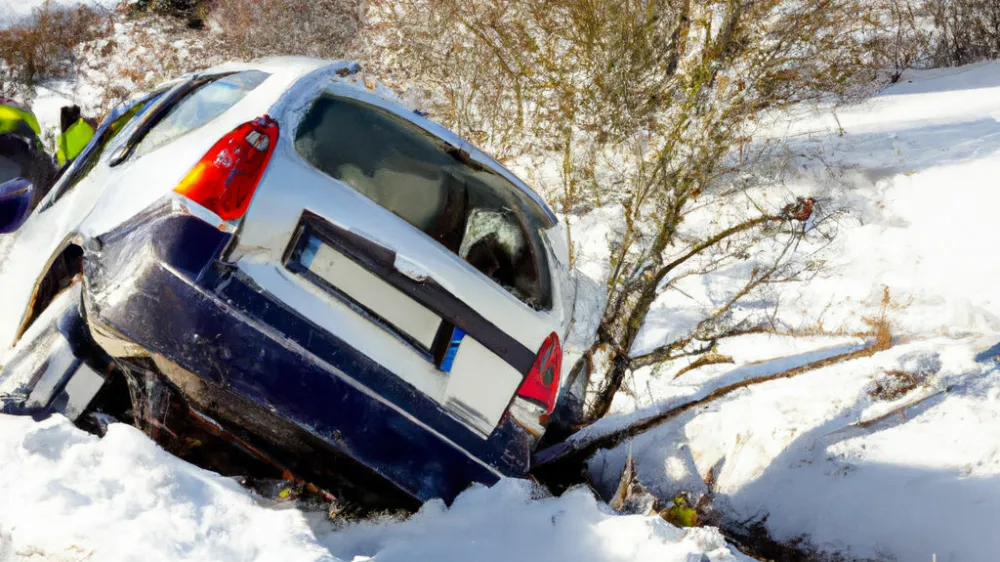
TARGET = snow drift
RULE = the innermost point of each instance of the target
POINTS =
(847, 459)
(67, 495)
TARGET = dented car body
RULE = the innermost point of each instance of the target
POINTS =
(334, 283)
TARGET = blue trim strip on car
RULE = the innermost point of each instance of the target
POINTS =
(457, 335)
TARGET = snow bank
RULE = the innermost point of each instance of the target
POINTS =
(504, 523)
(823, 456)
(67, 495)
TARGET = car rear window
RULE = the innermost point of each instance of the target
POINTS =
(200, 106)
(436, 187)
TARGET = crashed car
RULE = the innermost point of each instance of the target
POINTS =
(307, 271)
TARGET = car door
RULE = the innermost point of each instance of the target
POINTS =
(375, 225)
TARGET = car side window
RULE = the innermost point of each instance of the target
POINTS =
(92, 154)
(434, 186)
(200, 106)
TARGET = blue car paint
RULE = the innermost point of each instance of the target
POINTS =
(205, 316)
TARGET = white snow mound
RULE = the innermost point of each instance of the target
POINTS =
(67, 495)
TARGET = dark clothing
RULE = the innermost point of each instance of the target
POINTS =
(19, 159)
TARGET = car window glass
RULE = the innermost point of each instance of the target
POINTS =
(92, 154)
(199, 107)
(434, 186)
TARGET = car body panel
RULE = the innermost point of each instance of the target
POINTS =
(269, 355)
(107, 196)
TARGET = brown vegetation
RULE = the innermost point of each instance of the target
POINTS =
(319, 28)
(44, 45)
(893, 385)
(965, 30)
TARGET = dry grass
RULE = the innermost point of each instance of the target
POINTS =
(893, 385)
(44, 46)
(881, 328)
(320, 28)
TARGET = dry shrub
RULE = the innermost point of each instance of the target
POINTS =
(894, 384)
(320, 28)
(144, 52)
(966, 31)
(43, 46)
(168, 7)
(881, 328)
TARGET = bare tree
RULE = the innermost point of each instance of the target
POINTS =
(966, 30)
(905, 38)
(639, 104)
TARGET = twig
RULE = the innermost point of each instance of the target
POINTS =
(897, 410)
(704, 361)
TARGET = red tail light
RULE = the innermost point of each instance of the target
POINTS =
(542, 383)
(224, 180)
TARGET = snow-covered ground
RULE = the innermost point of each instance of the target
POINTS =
(919, 170)
(66, 495)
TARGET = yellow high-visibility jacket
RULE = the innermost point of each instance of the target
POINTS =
(73, 141)
(14, 119)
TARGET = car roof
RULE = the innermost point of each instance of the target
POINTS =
(291, 69)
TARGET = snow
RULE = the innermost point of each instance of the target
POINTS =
(12, 11)
(68, 495)
(503, 523)
(822, 456)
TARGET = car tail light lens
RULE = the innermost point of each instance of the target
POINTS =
(225, 179)
(541, 386)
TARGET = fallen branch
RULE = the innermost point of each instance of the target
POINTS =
(582, 448)
(898, 410)
(704, 361)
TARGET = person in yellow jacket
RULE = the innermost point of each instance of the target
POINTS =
(76, 134)
(21, 150)
(18, 120)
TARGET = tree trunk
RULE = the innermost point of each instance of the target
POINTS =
(619, 329)
(602, 402)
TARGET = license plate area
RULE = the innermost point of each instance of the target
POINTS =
(484, 364)
(353, 270)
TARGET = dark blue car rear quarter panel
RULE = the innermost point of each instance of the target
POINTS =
(214, 322)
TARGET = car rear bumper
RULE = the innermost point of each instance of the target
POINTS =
(156, 287)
